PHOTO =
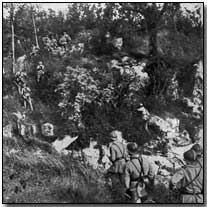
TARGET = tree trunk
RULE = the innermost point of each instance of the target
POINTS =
(13, 44)
(153, 28)
(35, 30)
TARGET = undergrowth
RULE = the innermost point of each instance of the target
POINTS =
(37, 176)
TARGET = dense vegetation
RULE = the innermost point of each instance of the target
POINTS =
(98, 90)
(84, 92)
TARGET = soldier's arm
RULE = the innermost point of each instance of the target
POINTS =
(112, 154)
(151, 173)
(126, 156)
(176, 178)
(127, 177)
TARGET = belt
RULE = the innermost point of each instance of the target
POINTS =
(120, 158)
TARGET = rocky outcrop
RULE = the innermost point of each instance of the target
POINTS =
(61, 144)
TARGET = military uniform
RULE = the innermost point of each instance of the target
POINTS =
(190, 181)
(67, 37)
(118, 155)
(26, 92)
(136, 167)
(19, 79)
(40, 71)
(47, 42)
(53, 43)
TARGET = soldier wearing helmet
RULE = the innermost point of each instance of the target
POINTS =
(189, 179)
(118, 156)
(138, 173)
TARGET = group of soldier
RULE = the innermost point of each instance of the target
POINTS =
(51, 43)
(23, 88)
(136, 174)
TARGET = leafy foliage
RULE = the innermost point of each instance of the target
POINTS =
(100, 89)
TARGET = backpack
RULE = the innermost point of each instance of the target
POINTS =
(143, 182)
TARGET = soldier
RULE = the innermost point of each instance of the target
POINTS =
(64, 40)
(118, 156)
(53, 42)
(189, 179)
(35, 50)
(138, 175)
(67, 37)
(145, 115)
(19, 81)
(144, 111)
(47, 42)
(40, 71)
(26, 93)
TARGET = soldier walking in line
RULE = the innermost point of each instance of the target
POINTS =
(26, 94)
(138, 175)
(189, 179)
(47, 43)
(64, 41)
(118, 156)
(40, 71)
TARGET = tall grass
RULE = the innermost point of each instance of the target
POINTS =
(37, 176)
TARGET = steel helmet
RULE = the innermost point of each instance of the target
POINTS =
(132, 148)
(190, 155)
(198, 149)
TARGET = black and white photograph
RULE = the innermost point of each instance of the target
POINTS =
(103, 103)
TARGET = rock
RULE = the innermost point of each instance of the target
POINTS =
(8, 130)
(166, 125)
(92, 156)
(183, 139)
(178, 151)
(61, 145)
(199, 70)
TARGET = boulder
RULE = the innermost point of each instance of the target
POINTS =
(92, 156)
(183, 139)
(199, 70)
(8, 130)
(61, 145)
(166, 125)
